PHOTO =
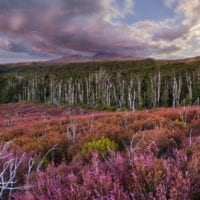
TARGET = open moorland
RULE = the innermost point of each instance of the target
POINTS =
(50, 152)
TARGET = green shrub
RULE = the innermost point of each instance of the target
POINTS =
(103, 145)
(179, 124)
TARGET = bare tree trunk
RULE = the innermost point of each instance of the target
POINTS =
(176, 90)
(189, 85)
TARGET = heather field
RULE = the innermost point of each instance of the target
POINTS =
(50, 152)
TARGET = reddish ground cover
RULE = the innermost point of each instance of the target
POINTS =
(157, 154)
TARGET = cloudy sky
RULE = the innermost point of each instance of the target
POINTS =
(44, 29)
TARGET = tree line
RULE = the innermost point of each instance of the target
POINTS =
(127, 84)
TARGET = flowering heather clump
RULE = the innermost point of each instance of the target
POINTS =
(139, 177)
(157, 155)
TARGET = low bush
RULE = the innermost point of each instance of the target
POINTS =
(179, 124)
(138, 177)
(167, 142)
(103, 145)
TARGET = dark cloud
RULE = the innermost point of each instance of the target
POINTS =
(43, 27)
(74, 24)
(23, 47)
(67, 6)
(171, 33)
(169, 49)
(52, 24)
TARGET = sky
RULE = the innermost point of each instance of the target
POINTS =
(33, 30)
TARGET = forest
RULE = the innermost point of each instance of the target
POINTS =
(108, 85)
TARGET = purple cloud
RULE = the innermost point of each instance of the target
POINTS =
(43, 28)
(171, 33)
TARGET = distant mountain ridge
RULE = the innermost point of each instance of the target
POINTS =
(101, 56)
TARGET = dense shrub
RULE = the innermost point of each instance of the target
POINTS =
(167, 143)
(139, 177)
(104, 145)
(179, 124)
(194, 169)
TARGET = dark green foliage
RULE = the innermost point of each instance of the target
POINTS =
(165, 98)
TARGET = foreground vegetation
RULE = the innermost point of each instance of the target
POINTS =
(60, 153)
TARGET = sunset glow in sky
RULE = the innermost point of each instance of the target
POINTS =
(43, 29)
